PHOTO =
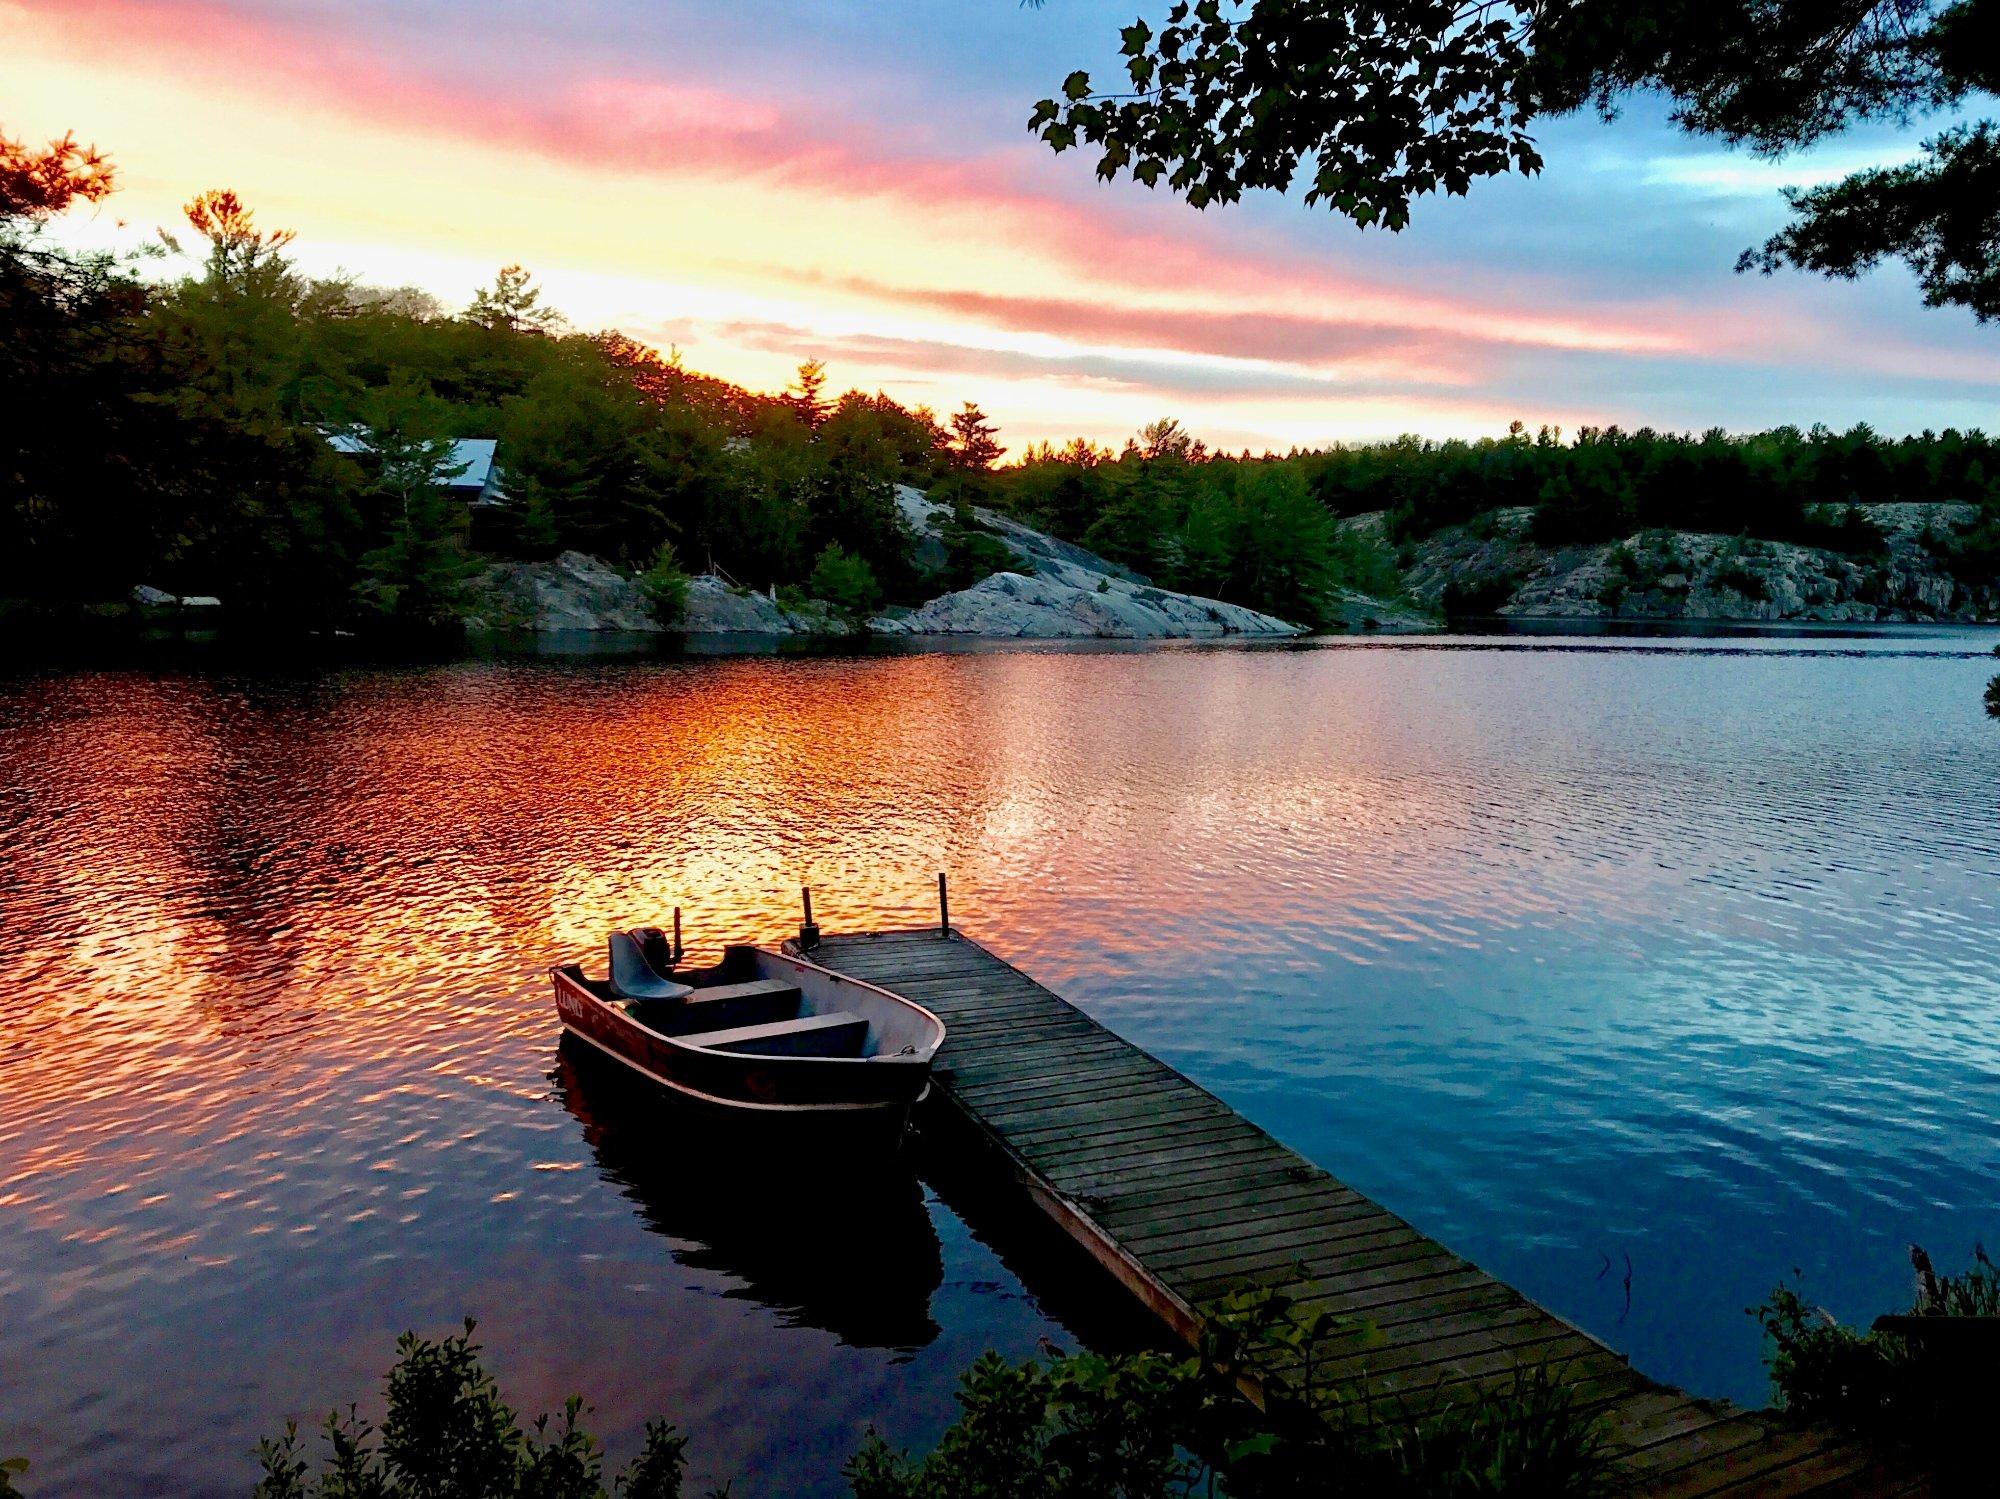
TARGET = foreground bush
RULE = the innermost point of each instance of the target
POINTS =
(846, 582)
(1149, 1426)
(666, 585)
(1082, 1426)
(449, 1435)
(1926, 1392)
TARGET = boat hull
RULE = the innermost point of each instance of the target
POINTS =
(740, 1083)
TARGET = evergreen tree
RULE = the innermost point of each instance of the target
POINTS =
(513, 304)
(71, 372)
(846, 582)
(972, 439)
(806, 398)
(416, 577)
(1284, 546)
(241, 257)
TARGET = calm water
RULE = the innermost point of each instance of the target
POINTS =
(1572, 952)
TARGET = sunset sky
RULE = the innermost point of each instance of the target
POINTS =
(761, 182)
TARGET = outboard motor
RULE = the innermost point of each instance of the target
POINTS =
(660, 953)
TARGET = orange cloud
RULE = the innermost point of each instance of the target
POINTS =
(672, 129)
(647, 199)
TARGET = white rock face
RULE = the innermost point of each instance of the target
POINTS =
(714, 608)
(1062, 601)
(579, 592)
(927, 518)
(1071, 594)
(574, 592)
(1364, 614)
(1702, 575)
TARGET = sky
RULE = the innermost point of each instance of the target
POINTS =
(758, 183)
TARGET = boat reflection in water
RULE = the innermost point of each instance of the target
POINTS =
(843, 1243)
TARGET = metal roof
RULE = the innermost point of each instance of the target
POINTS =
(476, 453)
(472, 457)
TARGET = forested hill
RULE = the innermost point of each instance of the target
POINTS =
(219, 423)
(175, 431)
(1771, 525)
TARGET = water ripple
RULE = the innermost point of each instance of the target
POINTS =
(1658, 950)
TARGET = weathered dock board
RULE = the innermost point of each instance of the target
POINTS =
(1180, 1197)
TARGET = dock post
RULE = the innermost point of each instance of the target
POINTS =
(678, 949)
(944, 906)
(808, 932)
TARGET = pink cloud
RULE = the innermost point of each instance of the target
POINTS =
(1316, 344)
(668, 127)
(911, 357)
(1228, 292)
(589, 116)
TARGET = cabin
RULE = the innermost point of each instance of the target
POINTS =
(471, 473)
(479, 480)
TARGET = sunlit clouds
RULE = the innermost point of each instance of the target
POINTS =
(760, 193)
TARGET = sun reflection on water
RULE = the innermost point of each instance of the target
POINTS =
(1559, 955)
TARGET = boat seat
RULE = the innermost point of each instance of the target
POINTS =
(714, 1007)
(632, 977)
(834, 1034)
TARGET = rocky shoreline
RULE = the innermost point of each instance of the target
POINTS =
(1490, 567)
(1062, 592)
(1494, 567)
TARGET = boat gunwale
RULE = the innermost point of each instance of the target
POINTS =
(572, 975)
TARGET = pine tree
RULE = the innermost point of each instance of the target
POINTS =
(807, 395)
(972, 439)
(513, 304)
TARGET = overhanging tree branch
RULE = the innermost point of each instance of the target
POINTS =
(1370, 106)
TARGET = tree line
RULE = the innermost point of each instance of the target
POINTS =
(1266, 529)
(164, 418)
(174, 429)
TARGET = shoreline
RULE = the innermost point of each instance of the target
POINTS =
(61, 636)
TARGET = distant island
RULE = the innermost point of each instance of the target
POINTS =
(248, 443)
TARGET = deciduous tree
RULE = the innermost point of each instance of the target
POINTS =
(1371, 104)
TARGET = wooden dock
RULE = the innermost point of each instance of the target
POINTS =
(1180, 1197)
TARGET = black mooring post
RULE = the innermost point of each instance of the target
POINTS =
(678, 949)
(944, 906)
(808, 933)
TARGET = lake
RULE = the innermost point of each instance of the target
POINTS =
(1640, 971)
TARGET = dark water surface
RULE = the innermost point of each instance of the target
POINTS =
(1567, 950)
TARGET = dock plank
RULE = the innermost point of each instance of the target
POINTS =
(1181, 1199)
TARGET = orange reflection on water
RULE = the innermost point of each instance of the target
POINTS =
(236, 898)
(280, 1061)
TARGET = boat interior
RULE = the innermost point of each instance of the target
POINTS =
(753, 1003)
